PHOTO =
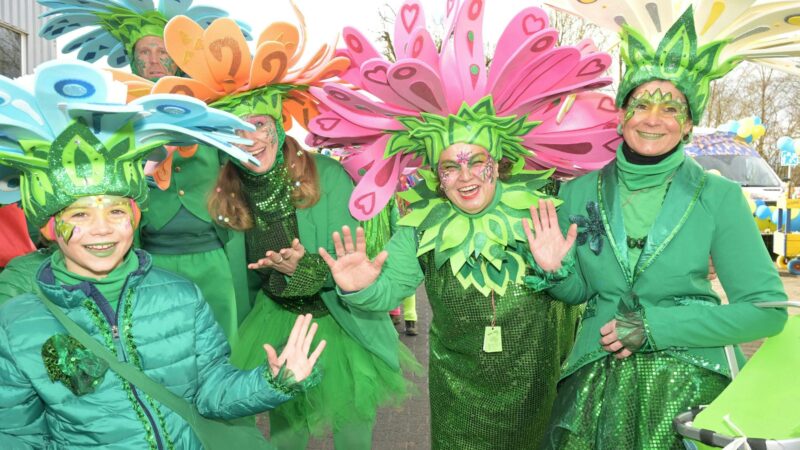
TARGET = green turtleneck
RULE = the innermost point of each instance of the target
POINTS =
(110, 286)
(642, 190)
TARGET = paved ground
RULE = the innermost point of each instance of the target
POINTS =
(408, 428)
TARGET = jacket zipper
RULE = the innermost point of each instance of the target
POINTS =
(113, 322)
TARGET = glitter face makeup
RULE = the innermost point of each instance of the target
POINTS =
(95, 233)
(655, 119)
(151, 60)
(265, 142)
(467, 175)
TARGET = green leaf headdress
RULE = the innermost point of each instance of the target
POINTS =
(696, 41)
(72, 135)
(114, 26)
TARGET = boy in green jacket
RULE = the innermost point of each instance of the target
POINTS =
(83, 184)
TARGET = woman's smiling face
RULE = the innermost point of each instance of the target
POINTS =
(468, 177)
(655, 118)
(265, 142)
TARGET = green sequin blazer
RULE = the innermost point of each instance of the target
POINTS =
(702, 215)
(162, 325)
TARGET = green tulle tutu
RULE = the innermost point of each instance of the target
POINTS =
(354, 384)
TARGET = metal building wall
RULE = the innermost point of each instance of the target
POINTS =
(23, 15)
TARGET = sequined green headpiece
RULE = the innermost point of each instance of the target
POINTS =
(112, 27)
(128, 26)
(71, 134)
(677, 59)
(429, 136)
(267, 100)
(77, 164)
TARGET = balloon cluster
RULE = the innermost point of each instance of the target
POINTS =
(787, 144)
(764, 212)
(747, 129)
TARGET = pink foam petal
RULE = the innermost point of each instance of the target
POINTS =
(589, 110)
(587, 46)
(529, 51)
(353, 73)
(540, 75)
(379, 183)
(577, 147)
(450, 14)
(360, 118)
(419, 85)
(538, 100)
(374, 74)
(332, 125)
(526, 23)
(315, 140)
(360, 48)
(422, 47)
(410, 18)
(590, 66)
(467, 42)
(358, 101)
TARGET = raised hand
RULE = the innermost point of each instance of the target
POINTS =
(352, 269)
(548, 246)
(284, 261)
(295, 354)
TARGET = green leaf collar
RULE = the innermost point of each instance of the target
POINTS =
(485, 250)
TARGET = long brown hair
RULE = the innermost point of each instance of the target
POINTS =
(227, 203)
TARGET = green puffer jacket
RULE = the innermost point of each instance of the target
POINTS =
(162, 325)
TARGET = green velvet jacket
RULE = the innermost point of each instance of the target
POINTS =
(702, 215)
(191, 181)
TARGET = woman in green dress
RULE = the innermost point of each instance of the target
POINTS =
(497, 339)
(291, 196)
(653, 334)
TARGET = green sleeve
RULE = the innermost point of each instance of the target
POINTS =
(572, 289)
(337, 189)
(224, 391)
(22, 423)
(310, 276)
(748, 276)
(19, 276)
(399, 279)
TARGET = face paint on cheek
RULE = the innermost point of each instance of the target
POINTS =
(138, 65)
(169, 65)
(444, 180)
(65, 230)
(487, 174)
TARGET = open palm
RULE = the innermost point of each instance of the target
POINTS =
(352, 269)
(547, 244)
(295, 353)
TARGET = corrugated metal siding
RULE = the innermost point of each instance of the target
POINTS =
(24, 16)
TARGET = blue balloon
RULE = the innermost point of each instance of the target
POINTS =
(763, 212)
(775, 217)
(786, 143)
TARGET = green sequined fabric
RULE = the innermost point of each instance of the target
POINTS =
(615, 404)
(499, 400)
(67, 361)
(274, 228)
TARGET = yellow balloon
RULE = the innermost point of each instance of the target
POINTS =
(759, 131)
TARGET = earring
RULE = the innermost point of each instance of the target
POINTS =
(687, 138)
(619, 129)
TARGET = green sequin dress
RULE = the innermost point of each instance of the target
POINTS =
(355, 381)
(499, 400)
